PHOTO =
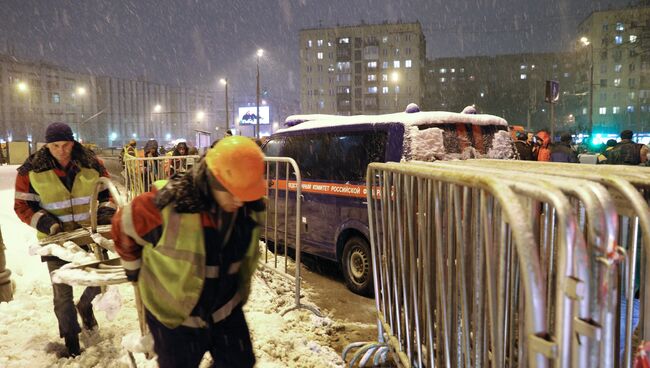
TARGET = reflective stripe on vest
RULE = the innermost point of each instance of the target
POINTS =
(71, 207)
(219, 315)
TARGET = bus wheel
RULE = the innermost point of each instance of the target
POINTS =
(357, 266)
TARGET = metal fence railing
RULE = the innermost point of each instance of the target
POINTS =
(283, 222)
(505, 263)
(141, 172)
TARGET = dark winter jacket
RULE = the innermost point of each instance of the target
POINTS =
(625, 153)
(562, 152)
(524, 151)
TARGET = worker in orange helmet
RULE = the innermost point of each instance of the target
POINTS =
(192, 250)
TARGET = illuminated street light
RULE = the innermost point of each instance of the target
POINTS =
(157, 108)
(260, 52)
(200, 115)
(224, 81)
(81, 91)
(22, 87)
(394, 77)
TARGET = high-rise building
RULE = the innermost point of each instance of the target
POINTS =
(614, 53)
(362, 69)
(511, 86)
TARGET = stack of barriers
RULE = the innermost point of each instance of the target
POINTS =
(141, 172)
(507, 263)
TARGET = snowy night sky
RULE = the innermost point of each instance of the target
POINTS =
(197, 42)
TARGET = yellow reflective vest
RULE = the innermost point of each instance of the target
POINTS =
(71, 207)
(173, 271)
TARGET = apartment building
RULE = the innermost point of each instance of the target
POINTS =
(361, 69)
(107, 111)
(511, 86)
(613, 49)
(35, 93)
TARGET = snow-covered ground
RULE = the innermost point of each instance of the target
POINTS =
(29, 332)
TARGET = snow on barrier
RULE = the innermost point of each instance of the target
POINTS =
(284, 187)
(497, 263)
(141, 172)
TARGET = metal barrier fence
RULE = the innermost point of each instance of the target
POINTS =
(141, 172)
(477, 264)
(284, 184)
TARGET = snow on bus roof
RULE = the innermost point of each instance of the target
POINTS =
(314, 121)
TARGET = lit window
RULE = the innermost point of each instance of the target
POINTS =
(584, 111)
(396, 89)
(453, 70)
(384, 77)
(372, 77)
(321, 104)
(618, 67)
(566, 75)
(396, 64)
(407, 63)
(396, 52)
(443, 80)
(443, 71)
(616, 110)
(319, 43)
(618, 39)
(384, 65)
(523, 67)
(308, 43)
(384, 39)
(617, 82)
(384, 90)
(372, 64)
(522, 76)
(344, 40)
(602, 111)
(56, 98)
(620, 26)
(633, 38)
(482, 94)
(630, 108)
(319, 55)
(372, 89)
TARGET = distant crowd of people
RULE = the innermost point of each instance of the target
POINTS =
(539, 147)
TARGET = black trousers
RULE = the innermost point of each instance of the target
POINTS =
(64, 308)
(228, 342)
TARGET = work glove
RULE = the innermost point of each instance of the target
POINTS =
(104, 215)
(48, 224)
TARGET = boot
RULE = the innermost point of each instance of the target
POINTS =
(87, 316)
(72, 343)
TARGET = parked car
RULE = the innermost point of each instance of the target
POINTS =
(333, 153)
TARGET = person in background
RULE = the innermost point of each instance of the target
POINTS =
(212, 217)
(53, 190)
(522, 148)
(626, 152)
(151, 168)
(129, 150)
(562, 151)
(178, 165)
(228, 133)
(541, 150)
(602, 157)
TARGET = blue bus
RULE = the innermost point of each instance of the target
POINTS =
(333, 153)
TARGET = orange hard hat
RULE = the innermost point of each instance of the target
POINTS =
(237, 163)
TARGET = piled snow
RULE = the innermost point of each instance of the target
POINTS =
(426, 144)
(501, 146)
(29, 334)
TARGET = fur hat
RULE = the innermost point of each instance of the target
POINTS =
(57, 132)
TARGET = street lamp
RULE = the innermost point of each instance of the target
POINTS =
(200, 115)
(157, 109)
(224, 81)
(23, 89)
(260, 52)
(585, 41)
